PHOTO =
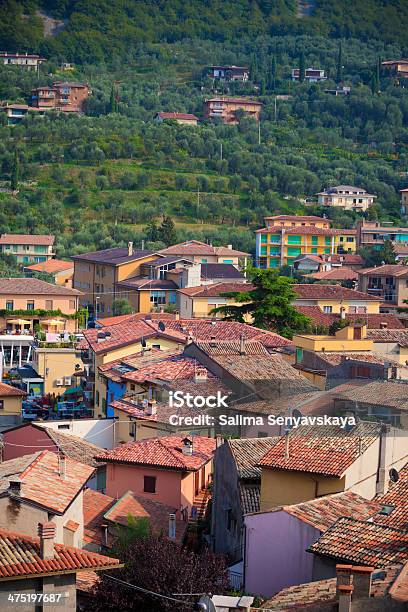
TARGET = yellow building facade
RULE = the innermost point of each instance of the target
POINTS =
(287, 237)
(57, 366)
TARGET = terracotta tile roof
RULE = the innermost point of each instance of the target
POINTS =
(267, 375)
(185, 116)
(331, 292)
(71, 525)
(248, 452)
(235, 101)
(168, 369)
(363, 543)
(51, 266)
(250, 496)
(232, 347)
(387, 270)
(164, 452)
(336, 274)
(95, 505)
(74, 447)
(386, 393)
(36, 239)
(310, 218)
(346, 258)
(41, 482)
(20, 557)
(312, 594)
(216, 290)
(114, 370)
(33, 286)
(86, 581)
(10, 391)
(397, 496)
(138, 316)
(322, 512)
(374, 321)
(195, 247)
(128, 332)
(141, 283)
(400, 336)
(328, 452)
(155, 511)
(335, 359)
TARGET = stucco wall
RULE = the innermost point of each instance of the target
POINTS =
(275, 552)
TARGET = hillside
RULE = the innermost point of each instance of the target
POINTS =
(101, 178)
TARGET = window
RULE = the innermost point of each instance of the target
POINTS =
(294, 239)
(314, 251)
(262, 434)
(263, 250)
(315, 239)
(149, 484)
(30, 305)
(156, 346)
(48, 304)
(39, 249)
(1, 404)
(227, 261)
(328, 309)
(158, 297)
(72, 303)
(97, 397)
(203, 261)
(327, 240)
(10, 305)
(264, 238)
(172, 297)
(350, 239)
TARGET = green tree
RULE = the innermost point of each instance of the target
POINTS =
(113, 100)
(268, 303)
(339, 71)
(167, 231)
(375, 257)
(121, 306)
(15, 171)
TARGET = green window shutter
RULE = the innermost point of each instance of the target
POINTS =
(274, 263)
(264, 238)
(327, 240)
(294, 239)
(274, 251)
(263, 250)
(275, 238)
(327, 251)
(294, 252)
(315, 239)
(299, 355)
(101, 478)
(314, 251)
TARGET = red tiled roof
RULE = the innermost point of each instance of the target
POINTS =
(138, 316)
(363, 543)
(324, 511)
(310, 218)
(38, 239)
(318, 594)
(86, 581)
(195, 247)
(95, 505)
(216, 289)
(336, 274)
(397, 496)
(41, 482)
(184, 116)
(387, 270)
(129, 332)
(34, 286)
(51, 266)
(235, 101)
(330, 451)
(164, 452)
(10, 391)
(374, 321)
(172, 368)
(140, 507)
(331, 292)
(20, 557)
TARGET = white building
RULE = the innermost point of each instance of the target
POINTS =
(347, 197)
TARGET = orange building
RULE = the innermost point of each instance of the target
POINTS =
(226, 109)
(66, 97)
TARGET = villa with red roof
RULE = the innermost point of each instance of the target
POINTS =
(40, 487)
(36, 565)
(171, 470)
(180, 118)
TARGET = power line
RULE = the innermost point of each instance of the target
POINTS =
(147, 592)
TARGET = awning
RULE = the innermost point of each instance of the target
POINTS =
(73, 390)
(19, 321)
(53, 322)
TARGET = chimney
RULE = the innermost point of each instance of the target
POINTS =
(200, 375)
(343, 573)
(345, 594)
(187, 448)
(383, 325)
(229, 247)
(172, 526)
(15, 486)
(62, 465)
(242, 349)
(100, 337)
(219, 441)
(382, 480)
(151, 407)
(46, 531)
(362, 581)
(130, 249)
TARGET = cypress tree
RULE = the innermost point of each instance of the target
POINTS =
(301, 67)
(339, 74)
(15, 172)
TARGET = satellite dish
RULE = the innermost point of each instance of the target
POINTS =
(296, 413)
(161, 326)
(205, 604)
(143, 342)
(107, 334)
(394, 476)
